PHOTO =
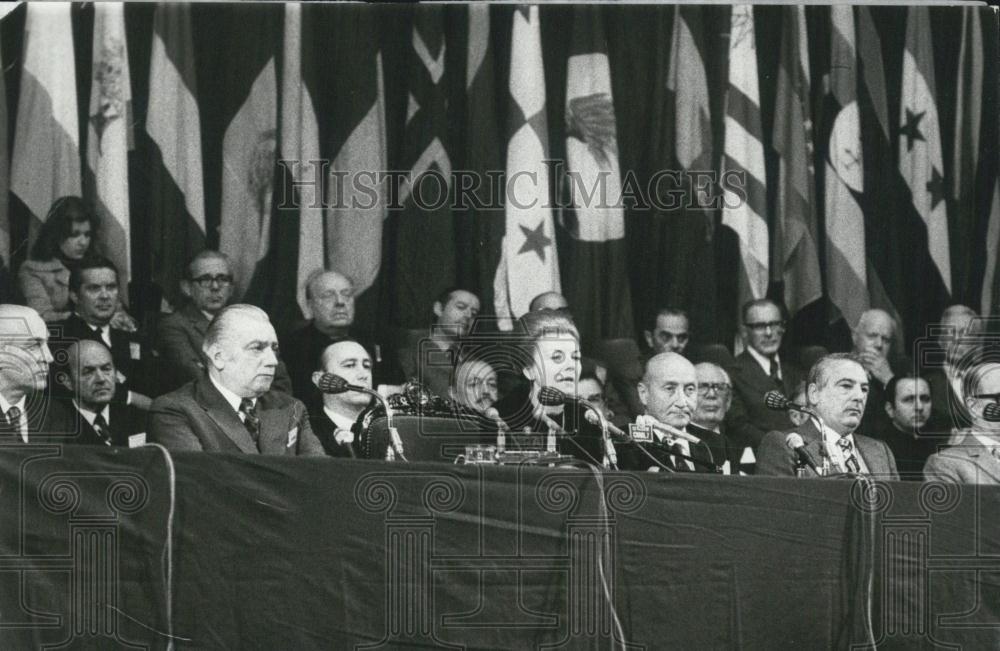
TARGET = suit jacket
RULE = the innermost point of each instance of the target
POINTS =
(324, 429)
(126, 420)
(75, 328)
(197, 417)
(47, 422)
(748, 419)
(775, 458)
(179, 337)
(967, 462)
(722, 448)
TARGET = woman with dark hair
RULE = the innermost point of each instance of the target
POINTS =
(67, 237)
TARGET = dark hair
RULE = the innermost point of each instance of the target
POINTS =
(89, 262)
(759, 302)
(590, 375)
(668, 310)
(890, 387)
(817, 374)
(444, 296)
(58, 226)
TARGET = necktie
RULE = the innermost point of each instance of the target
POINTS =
(850, 461)
(14, 423)
(102, 429)
(776, 373)
(250, 419)
(679, 462)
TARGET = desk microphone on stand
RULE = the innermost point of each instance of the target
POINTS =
(331, 383)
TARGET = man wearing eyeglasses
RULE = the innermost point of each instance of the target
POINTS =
(708, 422)
(759, 369)
(975, 457)
(209, 286)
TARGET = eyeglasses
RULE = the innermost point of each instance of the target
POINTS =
(719, 387)
(206, 281)
(761, 326)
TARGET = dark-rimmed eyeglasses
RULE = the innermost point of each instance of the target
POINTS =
(718, 387)
(206, 281)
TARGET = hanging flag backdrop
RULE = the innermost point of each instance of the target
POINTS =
(866, 139)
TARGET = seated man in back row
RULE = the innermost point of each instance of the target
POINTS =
(233, 408)
(836, 390)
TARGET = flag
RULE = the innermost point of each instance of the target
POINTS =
(5, 252)
(46, 160)
(795, 255)
(965, 210)
(846, 265)
(425, 221)
(744, 155)
(529, 265)
(483, 153)
(110, 135)
(357, 144)
(299, 145)
(250, 110)
(597, 288)
(990, 299)
(177, 198)
(920, 158)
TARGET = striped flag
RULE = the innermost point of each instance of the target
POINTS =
(598, 288)
(425, 222)
(990, 298)
(46, 160)
(744, 155)
(250, 107)
(358, 148)
(299, 146)
(965, 210)
(5, 252)
(529, 265)
(795, 255)
(110, 135)
(847, 278)
(920, 158)
(687, 82)
(177, 197)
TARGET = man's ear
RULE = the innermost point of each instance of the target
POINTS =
(811, 392)
(316, 377)
(214, 356)
(438, 308)
(649, 338)
(186, 288)
(889, 410)
(643, 392)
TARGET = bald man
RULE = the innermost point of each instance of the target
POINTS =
(669, 395)
(548, 301)
(872, 339)
(25, 404)
(233, 409)
(334, 424)
(95, 418)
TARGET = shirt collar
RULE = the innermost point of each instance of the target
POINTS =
(91, 415)
(6, 405)
(233, 399)
(765, 362)
(342, 422)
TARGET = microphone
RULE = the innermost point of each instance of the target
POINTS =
(668, 430)
(332, 383)
(614, 429)
(797, 445)
(551, 397)
(777, 401)
(502, 427)
(991, 412)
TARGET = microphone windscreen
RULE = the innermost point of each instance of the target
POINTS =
(775, 400)
(991, 412)
(330, 383)
(491, 413)
(551, 397)
(794, 441)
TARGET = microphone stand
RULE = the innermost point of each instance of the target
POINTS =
(823, 452)
(395, 442)
(610, 454)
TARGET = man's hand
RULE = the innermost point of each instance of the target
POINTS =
(139, 400)
(877, 366)
(122, 321)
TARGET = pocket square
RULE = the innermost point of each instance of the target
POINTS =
(293, 437)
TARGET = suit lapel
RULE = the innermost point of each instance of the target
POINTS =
(223, 415)
(197, 319)
(275, 423)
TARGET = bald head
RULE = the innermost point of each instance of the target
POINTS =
(669, 389)
(25, 358)
(91, 376)
(331, 301)
(874, 332)
(548, 301)
(351, 361)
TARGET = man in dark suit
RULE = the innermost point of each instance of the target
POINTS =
(179, 336)
(669, 393)
(334, 423)
(837, 389)
(27, 410)
(908, 406)
(232, 408)
(961, 331)
(872, 339)
(93, 288)
(93, 417)
(714, 399)
(757, 370)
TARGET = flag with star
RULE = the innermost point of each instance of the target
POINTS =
(46, 160)
(920, 158)
(425, 221)
(743, 154)
(528, 266)
(597, 289)
(795, 256)
(847, 277)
